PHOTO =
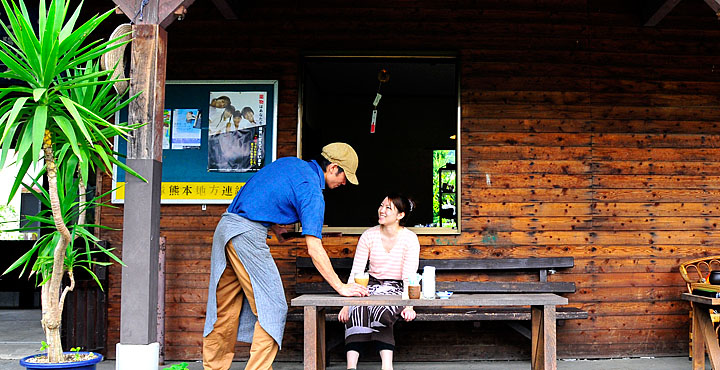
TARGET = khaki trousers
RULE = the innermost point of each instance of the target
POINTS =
(219, 345)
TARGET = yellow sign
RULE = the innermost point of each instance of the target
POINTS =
(192, 192)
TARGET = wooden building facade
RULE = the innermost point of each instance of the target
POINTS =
(601, 136)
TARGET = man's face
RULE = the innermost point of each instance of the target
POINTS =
(333, 177)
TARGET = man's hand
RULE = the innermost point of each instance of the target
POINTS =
(278, 231)
(353, 290)
(344, 314)
(408, 314)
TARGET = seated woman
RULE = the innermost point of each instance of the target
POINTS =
(394, 253)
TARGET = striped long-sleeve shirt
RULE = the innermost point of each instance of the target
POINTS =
(397, 264)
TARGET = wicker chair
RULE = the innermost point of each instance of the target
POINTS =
(697, 271)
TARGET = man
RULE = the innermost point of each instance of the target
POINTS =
(246, 300)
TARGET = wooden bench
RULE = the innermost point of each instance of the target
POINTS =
(514, 272)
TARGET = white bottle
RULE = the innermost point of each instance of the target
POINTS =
(428, 282)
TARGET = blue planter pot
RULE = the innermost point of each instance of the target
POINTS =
(79, 365)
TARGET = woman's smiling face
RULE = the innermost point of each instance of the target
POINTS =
(388, 213)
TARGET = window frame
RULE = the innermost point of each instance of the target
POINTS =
(357, 230)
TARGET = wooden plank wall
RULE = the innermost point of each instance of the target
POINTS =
(600, 138)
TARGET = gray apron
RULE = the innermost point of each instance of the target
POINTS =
(249, 240)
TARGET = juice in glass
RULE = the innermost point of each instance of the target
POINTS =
(362, 278)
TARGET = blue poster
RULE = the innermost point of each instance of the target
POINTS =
(186, 129)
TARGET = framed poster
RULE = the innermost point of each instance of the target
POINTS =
(219, 133)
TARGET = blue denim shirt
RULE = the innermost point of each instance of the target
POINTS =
(284, 192)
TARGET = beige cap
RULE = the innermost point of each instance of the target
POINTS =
(344, 156)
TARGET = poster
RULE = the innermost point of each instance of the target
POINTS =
(166, 129)
(207, 168)
(185, 129)
(236, 131)
(237, 151)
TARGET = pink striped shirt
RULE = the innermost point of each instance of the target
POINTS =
(398, 264)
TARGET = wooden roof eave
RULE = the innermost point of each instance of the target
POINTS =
(658, 10)
(161, 12)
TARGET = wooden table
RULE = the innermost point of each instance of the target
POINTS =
(703, 333)
(542, 308)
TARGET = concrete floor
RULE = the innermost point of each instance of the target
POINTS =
(665, 363)
(20, 335)
(20, 332)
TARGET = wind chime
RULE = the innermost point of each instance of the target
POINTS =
(383, 77)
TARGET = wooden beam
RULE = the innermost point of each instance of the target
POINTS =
(715, 5)
(657, 13)
(170, 10)
(161, 12)
(226, 9)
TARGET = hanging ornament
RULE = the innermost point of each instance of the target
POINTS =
(383, 77)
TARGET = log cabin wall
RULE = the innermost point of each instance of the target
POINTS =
(600, 137)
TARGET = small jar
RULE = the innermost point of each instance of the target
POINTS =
(714, 277)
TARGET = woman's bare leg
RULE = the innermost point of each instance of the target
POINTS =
(352, 359)
(386, 356)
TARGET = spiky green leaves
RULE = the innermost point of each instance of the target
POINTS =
(64, 90)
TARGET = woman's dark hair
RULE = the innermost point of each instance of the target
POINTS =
(323, 163)
(403, 204)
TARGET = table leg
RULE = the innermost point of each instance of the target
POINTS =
(314, 322)
(698, 340)
(321, 339)
(543, 338)
(702, 312)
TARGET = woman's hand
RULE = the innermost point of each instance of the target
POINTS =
(344, 314)
(408, 314)
(353, 290)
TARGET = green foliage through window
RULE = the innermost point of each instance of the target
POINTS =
(444, 187)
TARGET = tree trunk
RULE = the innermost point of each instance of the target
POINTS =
(52, 299)
(52, 337)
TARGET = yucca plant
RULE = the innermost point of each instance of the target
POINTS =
(57, 118)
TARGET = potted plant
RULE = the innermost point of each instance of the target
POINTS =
(56, 117)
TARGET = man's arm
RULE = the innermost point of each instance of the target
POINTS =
(322, 263)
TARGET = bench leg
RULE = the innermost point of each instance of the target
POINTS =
(314, 323)
(543, 338)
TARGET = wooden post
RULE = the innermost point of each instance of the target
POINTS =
(141, 217)
(543, 337)
(141, 228)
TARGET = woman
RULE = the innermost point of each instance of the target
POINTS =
(393, 252)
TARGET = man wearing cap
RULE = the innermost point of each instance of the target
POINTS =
(246, 299)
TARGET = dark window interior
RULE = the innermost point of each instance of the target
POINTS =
(418, 113)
